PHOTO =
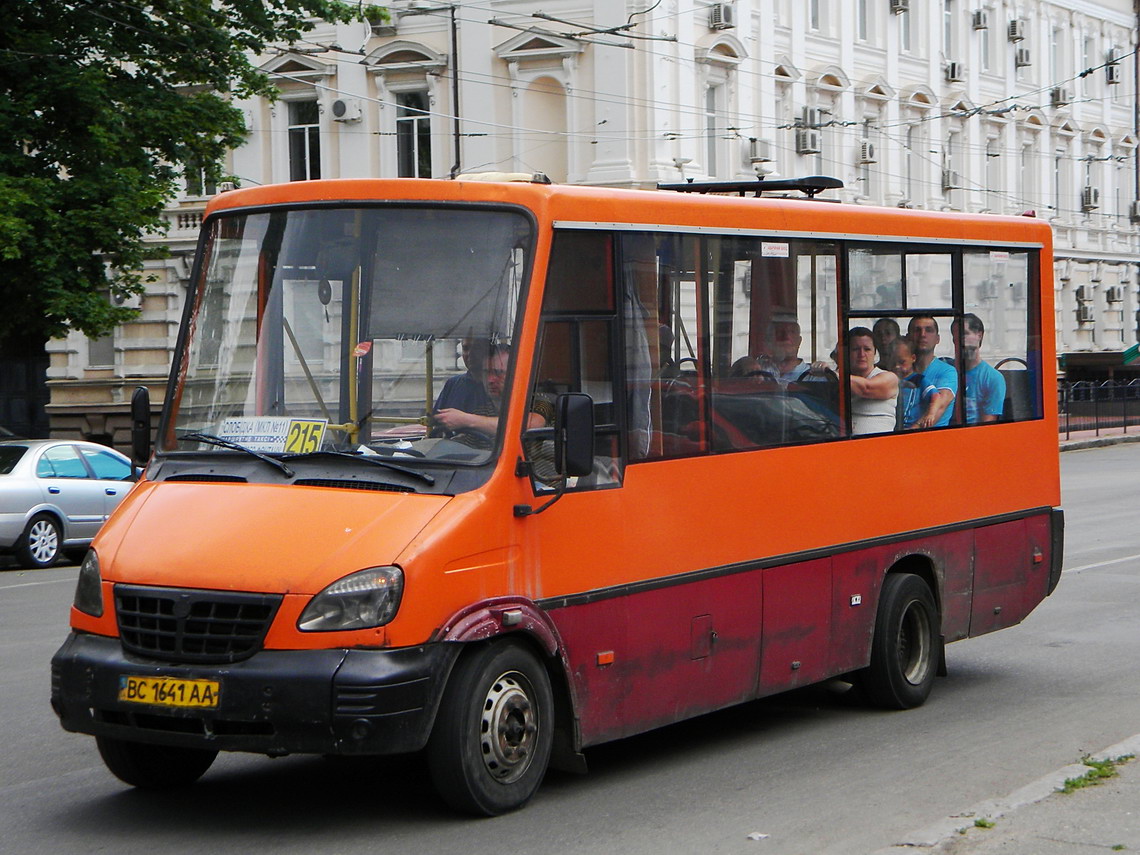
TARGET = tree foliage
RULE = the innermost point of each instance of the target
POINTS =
(102, 103)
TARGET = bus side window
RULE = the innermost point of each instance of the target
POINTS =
(576, 351)
(1001, 354)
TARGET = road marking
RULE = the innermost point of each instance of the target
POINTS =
(1102, 564)
(33, 584)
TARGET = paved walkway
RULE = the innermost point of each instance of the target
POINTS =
(1039, 820)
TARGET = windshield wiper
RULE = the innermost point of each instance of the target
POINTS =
(363, 458)
(210, 439)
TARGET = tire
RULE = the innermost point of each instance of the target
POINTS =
(154, 767)
(905, 651)
(490, 746)
(39, 545)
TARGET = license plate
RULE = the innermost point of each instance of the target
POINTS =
(170, 692)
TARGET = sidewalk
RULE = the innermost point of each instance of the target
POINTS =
(1091, 439)
(1038, 820)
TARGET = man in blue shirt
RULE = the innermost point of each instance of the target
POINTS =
(923, 331)
(985, 385)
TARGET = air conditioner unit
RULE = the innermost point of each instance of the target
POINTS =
(1113, 74)
(346, 110)
(812, 117)
(1083, 293)
(867, 153)
(981, 20)
(1090, 199)
(807, 141)
(1060, 96)
(722, 16)
(1114, 294)
(1023, 59)
(128, 301)
(900, 6)
(951, 180)
(955, 72)
(760, 151)
(1086, 315)
(1015, 32)
(1134, 210)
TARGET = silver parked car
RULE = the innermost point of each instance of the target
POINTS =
(55, 494)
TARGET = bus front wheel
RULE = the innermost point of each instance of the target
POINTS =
(491, 743)
(905, 649)
(154, 767)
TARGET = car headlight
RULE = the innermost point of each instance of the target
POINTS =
(361, 600)
(89, 588)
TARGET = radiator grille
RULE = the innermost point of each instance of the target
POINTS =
(185, 625)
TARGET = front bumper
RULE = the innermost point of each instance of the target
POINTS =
(275, 702)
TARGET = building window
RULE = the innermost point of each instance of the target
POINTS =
(861, 21)
(1057, 54)
(304, 141)
(904, 30)
(948, 27)
(987, 62)
(413, 135)
(713, 129)
(101, 351)
(198, 180)
(814, 14)
(909, 164)
(993, 174)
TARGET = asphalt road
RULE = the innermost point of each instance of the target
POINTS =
(813, 770)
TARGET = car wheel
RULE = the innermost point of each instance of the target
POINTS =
(491, 743)
(39, 544)
(154, 767)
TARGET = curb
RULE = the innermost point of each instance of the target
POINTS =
(948, 828)
(1097, 442)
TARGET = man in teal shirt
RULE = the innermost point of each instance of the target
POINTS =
(923, 331)
(985, 385)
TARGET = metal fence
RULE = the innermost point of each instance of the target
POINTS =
(1086, 405)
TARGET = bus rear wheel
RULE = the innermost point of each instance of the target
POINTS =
(491, 743)
(905, 649)
(154, 767)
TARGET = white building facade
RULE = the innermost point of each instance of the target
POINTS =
(1003, 106)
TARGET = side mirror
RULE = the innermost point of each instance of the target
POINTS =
(574, 434)
(140, 425)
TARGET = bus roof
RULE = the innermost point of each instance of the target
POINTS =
(580, 206)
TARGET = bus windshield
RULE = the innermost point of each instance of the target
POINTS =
(360, 330)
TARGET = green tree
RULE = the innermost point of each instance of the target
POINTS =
(102, 102)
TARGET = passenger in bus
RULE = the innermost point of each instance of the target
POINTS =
(477, 427)
(914, 392)
(466, 391)
(985, 386)
(874, 392)
(936, 412)
(785, 352)
(886, 331)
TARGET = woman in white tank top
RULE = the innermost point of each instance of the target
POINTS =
(874, 392)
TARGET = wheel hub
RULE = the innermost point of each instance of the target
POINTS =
(913, 648)
(43, 541)
(508, 728)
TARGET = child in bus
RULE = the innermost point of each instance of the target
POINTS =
(913, 391)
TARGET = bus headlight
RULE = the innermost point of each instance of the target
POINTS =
(89, 588)
(359, 601)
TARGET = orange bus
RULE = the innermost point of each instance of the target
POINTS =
(504, 470)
